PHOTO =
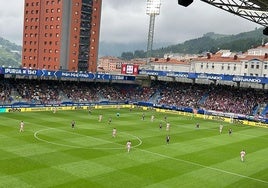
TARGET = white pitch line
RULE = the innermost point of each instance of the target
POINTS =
(204, 166)
(66, 145)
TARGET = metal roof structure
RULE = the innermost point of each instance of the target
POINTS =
(253, 10)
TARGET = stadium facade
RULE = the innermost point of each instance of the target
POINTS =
(61, 35)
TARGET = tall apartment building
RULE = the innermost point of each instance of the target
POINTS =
(61, 34)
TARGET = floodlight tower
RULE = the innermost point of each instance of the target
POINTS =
(152, 9)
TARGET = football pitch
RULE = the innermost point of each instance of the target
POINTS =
(50, 153)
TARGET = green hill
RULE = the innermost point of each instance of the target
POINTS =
(210, 42)
(10, 54)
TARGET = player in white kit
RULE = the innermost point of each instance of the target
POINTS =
(152, 118)
(21, 126)
(100, 117)
(221, 127)
(114, 132)
(242, 155)
(128, 146)
(168, 127)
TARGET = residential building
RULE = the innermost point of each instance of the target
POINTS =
(61, 34)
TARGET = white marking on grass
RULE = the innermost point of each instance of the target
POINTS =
(204, 166)
(72, 146)
(43, 140)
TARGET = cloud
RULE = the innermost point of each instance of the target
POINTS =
(11, 20)
(125, 21)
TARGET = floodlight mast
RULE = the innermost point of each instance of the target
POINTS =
(152, 9)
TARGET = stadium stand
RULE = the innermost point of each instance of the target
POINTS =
(221, 98)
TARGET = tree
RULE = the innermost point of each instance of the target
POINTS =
(127, 55)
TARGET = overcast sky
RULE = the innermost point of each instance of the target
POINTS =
(125, 21)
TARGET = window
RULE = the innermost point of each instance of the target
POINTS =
(257, 66)
(252, 66)
(246, 66)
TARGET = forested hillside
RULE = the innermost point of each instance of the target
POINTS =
(10, 54)
(209, 42)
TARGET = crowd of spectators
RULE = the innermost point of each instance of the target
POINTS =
(5, 93)
(210, 97)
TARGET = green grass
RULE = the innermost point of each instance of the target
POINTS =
(49, 153)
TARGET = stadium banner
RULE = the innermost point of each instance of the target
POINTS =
(3, 110)
(211, 115)
(123, 68)
(132, 70)
(118, 106)
(65, 74)
(234, 78)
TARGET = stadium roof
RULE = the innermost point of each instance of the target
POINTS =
(253, 10)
